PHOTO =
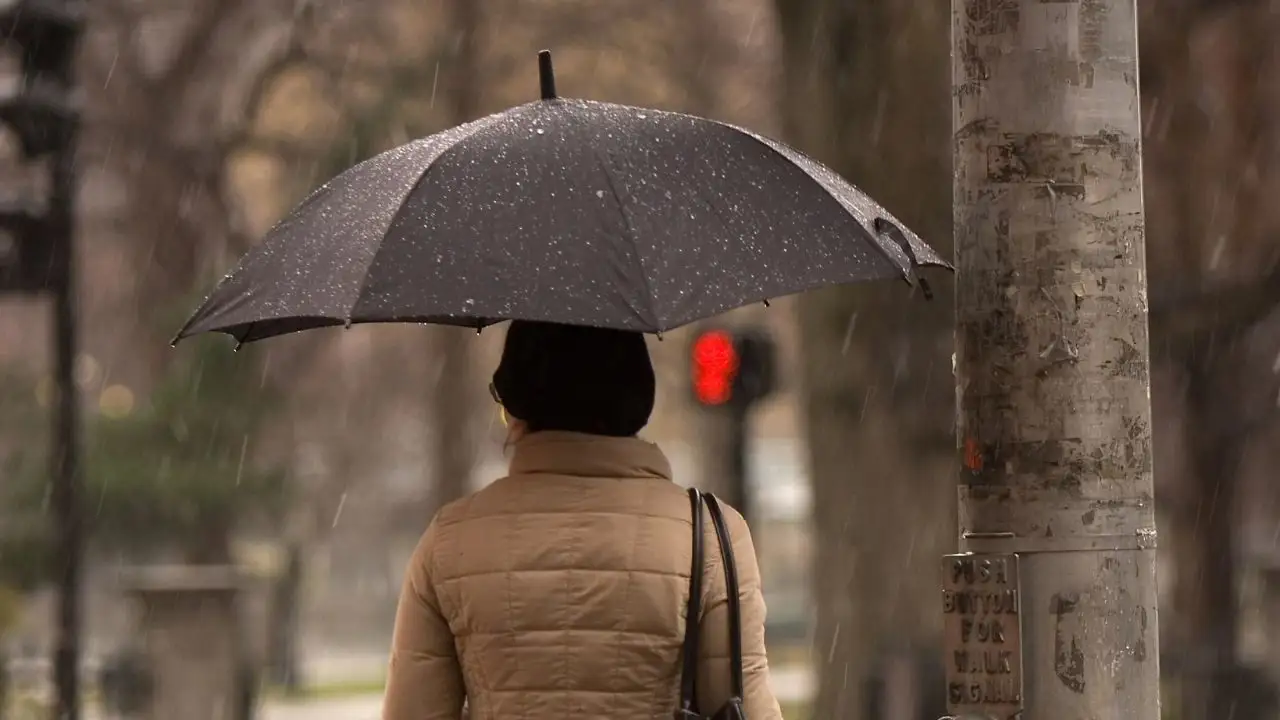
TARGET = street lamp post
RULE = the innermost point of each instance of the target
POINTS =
(42, 115)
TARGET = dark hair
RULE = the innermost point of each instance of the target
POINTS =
(577, 379)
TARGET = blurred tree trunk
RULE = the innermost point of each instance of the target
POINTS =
(166, 108)
(705, 48)
(4, 683)
(867, 91)
(1206, 587)
(456, 399)
(285, 610)
(164, 112)
(455, 404)
(1211, 135)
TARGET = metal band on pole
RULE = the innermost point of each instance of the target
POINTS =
(1009, 543)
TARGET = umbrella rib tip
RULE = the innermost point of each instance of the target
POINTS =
(911, 275)
(925, 288)
(546, 75)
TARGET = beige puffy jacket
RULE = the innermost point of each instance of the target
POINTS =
(559, 592)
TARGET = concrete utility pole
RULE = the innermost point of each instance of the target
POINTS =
(1055, 497)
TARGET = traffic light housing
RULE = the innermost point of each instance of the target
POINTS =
(26, 256)
(46, 31)
(732, 368)
(39, 112)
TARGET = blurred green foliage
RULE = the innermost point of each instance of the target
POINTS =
(10, 612)
(176, 474)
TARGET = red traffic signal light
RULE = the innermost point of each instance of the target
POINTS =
(732, 367)
(715, 366)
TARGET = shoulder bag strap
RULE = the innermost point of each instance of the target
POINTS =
(731, 595)
(693, 613)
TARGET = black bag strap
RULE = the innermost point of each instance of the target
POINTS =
(693, 615)
(738, 685)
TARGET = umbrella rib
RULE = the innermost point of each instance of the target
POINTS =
(475, 127)
(631, 236)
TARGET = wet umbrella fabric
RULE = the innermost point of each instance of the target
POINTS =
(567, 211)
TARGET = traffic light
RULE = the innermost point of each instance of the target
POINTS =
(26, 252)
(732, 367)
(715, 365)
(731, 370)
(38, 111)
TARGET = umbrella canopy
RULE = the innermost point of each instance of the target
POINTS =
(568, 211)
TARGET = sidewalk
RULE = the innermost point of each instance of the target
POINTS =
(790, 685)
(367, 707)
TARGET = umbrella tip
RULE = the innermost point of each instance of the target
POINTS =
(911, 275)
(924, 287)
(547, 75)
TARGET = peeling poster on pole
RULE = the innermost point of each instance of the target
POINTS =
(982, 635)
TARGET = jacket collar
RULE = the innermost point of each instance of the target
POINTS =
(577, 454)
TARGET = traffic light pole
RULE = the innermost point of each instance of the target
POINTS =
(42, 114)
(66, 436)
(739, 460)
(45, 116)
(1052, 371)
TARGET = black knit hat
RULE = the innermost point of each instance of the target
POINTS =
(577, 379)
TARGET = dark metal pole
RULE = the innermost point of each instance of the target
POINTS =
(66, 431)
(739, 460)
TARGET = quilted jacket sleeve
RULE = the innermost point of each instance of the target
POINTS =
(713, 669)
(425, 680)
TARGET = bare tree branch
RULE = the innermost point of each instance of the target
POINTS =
(194, 48)
(287, 149)
(240, 133)
(117, 25)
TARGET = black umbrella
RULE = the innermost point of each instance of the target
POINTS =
(567, 211)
